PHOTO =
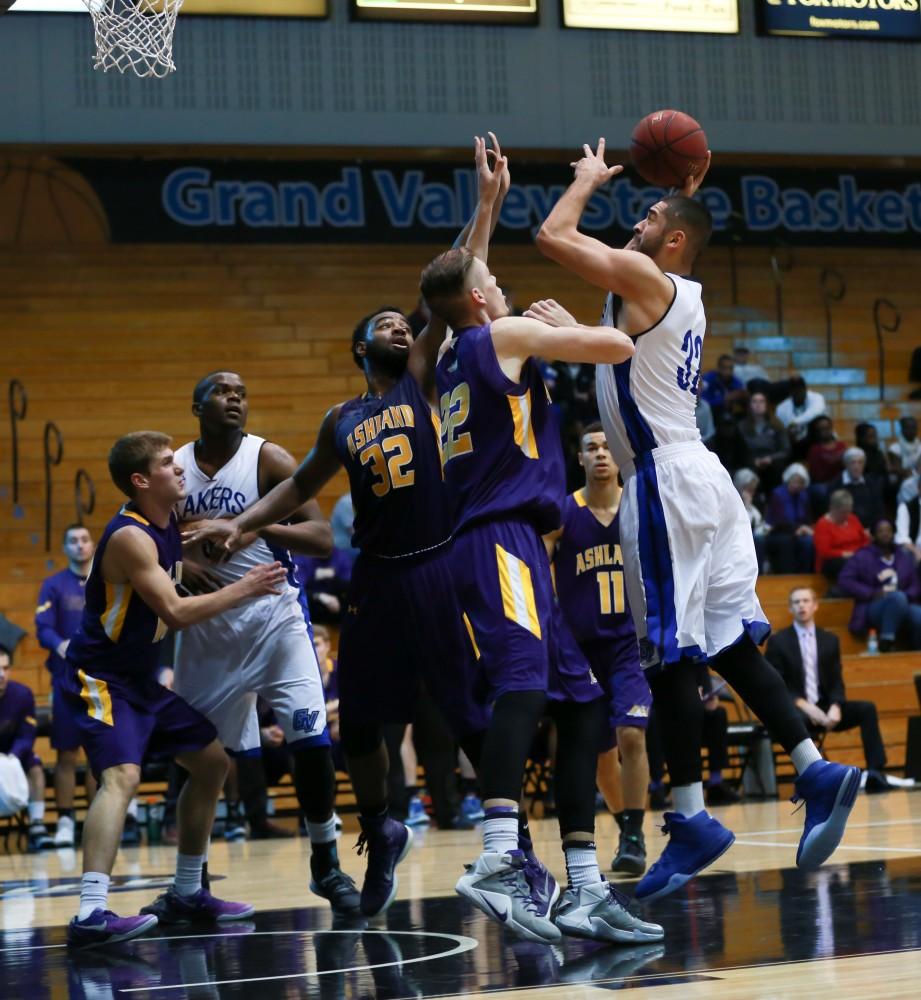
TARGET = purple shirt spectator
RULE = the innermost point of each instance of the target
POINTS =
(787, 511)
(860, 579)
(17, 723)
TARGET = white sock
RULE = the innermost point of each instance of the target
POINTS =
(133, 809)
(36, 812)
(65, 822)
(804, 755)
(94, 891)
(581, 864)
(322, 833)
(500, 830)
(188, 873)
(688, 799)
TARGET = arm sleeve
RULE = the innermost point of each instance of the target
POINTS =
(46, 618)
(26, 731)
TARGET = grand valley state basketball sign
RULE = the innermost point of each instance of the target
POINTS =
(141, 200)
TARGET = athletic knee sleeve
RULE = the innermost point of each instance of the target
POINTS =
(680, 717)
(315, 782)
(581, 728)
(507, 743)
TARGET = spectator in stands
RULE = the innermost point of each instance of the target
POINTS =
(747, 483)
(911, 487)
(867, 493)
(789, 513)
(59, 610)
(908, 526)
(877, 467)
(767, 440)
(809, 660)
(798, 411)
(704, 417)
(325, 582)
(342, 521)
(825, 456)
(838, 535)
(752, 375)
(323, 648)
(17, 738)
(883, 580)
(721, 389)
(728, 444)
(905, 451)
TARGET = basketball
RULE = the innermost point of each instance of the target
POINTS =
(667, 147)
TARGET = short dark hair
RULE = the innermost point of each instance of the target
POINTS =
(595, 427)
(443, 280)
(134, 453)
(361, 329)
(205, 382)
(797, 380)
(8, 652)
(692, 217)
(725, 357)
(76, 526)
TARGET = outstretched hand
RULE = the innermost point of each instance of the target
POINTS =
(221, 532)
(550, 312)
(493, 178)
(693, 181)
(592, 166)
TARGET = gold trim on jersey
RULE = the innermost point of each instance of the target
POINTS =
(135, 516)
(517, 591)
(469, 627)
(95, 693)
(579, 497)
(118, 597)
(521, 418)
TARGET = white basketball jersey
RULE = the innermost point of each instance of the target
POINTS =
(234, 488)
(648, 401)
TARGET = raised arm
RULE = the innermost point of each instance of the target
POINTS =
(308, 533)
(492, 183)
(131, 557)
(320, 465)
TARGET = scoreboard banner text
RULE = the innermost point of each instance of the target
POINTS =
(251, 201)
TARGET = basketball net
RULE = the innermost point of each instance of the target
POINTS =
(134, 35)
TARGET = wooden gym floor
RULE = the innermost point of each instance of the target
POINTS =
(753, 927)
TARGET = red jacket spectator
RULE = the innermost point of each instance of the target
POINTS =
(832, 540)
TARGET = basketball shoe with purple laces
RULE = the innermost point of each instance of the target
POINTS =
(513, 890)
(171, 908)
(694, 842)
(829, 791)
(387, 842)
(105, 927)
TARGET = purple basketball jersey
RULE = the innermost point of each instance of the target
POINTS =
(500, 441)
(589, 573)
(389, 447)
(119, 635)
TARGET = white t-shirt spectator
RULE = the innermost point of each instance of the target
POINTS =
(797, 418)
(907, 452)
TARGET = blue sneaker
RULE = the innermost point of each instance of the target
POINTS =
(829, 791)
(416, 814)
(694, 843)
(387, 843)
(171, 908)
(105, 927)
(472, 809)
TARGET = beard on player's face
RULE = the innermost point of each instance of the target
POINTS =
(385, 358)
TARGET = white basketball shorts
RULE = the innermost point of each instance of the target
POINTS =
(263, 648)
(689, 556)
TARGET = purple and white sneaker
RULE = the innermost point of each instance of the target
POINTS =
(105, 927)
(171, 908)
(511, 890)
(387, 842)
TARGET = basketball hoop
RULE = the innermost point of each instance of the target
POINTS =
(134, 35)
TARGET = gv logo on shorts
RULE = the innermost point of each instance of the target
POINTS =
(305, 720)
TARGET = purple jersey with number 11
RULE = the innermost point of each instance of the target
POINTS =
(501, 445)
(589, 573)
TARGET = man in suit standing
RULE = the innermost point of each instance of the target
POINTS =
(809, 660)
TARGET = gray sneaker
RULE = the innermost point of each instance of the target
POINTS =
(498, 885)
(600, 912)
